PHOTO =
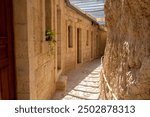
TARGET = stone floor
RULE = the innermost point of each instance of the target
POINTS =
(82, 84)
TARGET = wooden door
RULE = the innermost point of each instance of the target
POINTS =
(7, 72)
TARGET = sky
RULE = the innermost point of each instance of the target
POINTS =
(93, 7)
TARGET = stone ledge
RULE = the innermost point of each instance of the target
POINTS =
(61, 84)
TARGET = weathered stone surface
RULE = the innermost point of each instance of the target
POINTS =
(36, 70)
(127, 54)
(82, 83)
(61, 84)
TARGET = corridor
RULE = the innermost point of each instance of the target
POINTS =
(82, 84)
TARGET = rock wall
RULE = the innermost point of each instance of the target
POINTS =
(126, 64)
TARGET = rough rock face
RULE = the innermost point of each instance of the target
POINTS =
(126, 62)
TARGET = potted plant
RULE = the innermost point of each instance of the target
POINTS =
(50, 37)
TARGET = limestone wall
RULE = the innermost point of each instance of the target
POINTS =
(76, 20)
(127, 55)
(36, 71)
(21, 49)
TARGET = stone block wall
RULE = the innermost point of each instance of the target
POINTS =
(36, 71)
(76, 20)
(127, 54)
(21, 49)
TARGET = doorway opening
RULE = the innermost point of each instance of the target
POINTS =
(58, 39)
(97, 46)
(92, 45)
(78, 45)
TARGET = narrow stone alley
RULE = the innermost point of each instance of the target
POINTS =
(82, 84)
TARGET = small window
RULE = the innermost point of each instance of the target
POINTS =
(70, 37)
(87, 40)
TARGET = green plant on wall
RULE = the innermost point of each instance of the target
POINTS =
(50, 37)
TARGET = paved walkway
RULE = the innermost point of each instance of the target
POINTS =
(83, 83)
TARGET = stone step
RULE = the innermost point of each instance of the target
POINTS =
(59, 94)
(87, 85)
(88, 81)
(69, 97)
(91, 79)
(83, 95)
(61, 84)
(90, 84)
(86, 89)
